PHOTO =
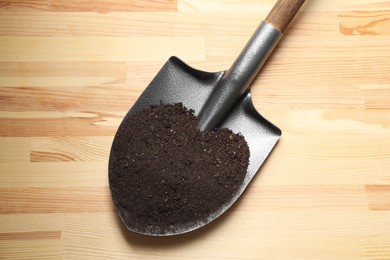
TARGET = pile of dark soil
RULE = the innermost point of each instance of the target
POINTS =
(164, 173)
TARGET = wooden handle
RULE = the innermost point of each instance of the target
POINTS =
(283, 13)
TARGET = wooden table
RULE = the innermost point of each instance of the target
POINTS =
(69, 71)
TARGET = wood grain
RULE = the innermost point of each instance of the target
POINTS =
(92, 49)
(54, 174)
(55, 200)
(378, 197)
(72, 75)
(36, 5)
(254, 5)
(101, 6)
(14, 149)
(365, 23)
(79, 124)
(110, 99)
(32, 249)
(64, 149)
(33, 235)
(70, 70)
(104, 6)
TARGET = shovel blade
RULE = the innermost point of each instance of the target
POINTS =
(178, 82)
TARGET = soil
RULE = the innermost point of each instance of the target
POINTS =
(165, 174)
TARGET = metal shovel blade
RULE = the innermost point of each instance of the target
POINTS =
(220, 99)
(178, 82)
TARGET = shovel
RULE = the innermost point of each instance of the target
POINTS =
(222, 99)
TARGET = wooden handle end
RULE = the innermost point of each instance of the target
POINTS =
(283, 13)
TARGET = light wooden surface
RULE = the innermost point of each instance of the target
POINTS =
(70, 70)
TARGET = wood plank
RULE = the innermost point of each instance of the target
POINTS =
(311, 247)
(376, 247)
(69, 148)
(92, 49)
(365, 23)
(49, 200)
(105, 6)
(324, 72)
(271, 229)
(368, 121)
(327, 172)
(18, 223)
(253, 5)
(298, 46)
(101, 6)
(102, 224)
(249, 223)
(294, 248)
(54, 174)
(372, 6)
(298, 96)
(378, 197)
(60, 124)
(139, 75)
(321, 223)
(14, 149)
(29, 5)
(65, 74)
(356, 147)
(304, 198)
(376, 96)
(55, 200)
(140, 24)
(245, 6)
(84, 227)
(32, 249)
(383, 171)
(328, 121)
(64, 101)
(33, 235)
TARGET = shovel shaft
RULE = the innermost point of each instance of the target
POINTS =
(237, 80)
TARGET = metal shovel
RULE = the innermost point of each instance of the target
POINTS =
(222, 99)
